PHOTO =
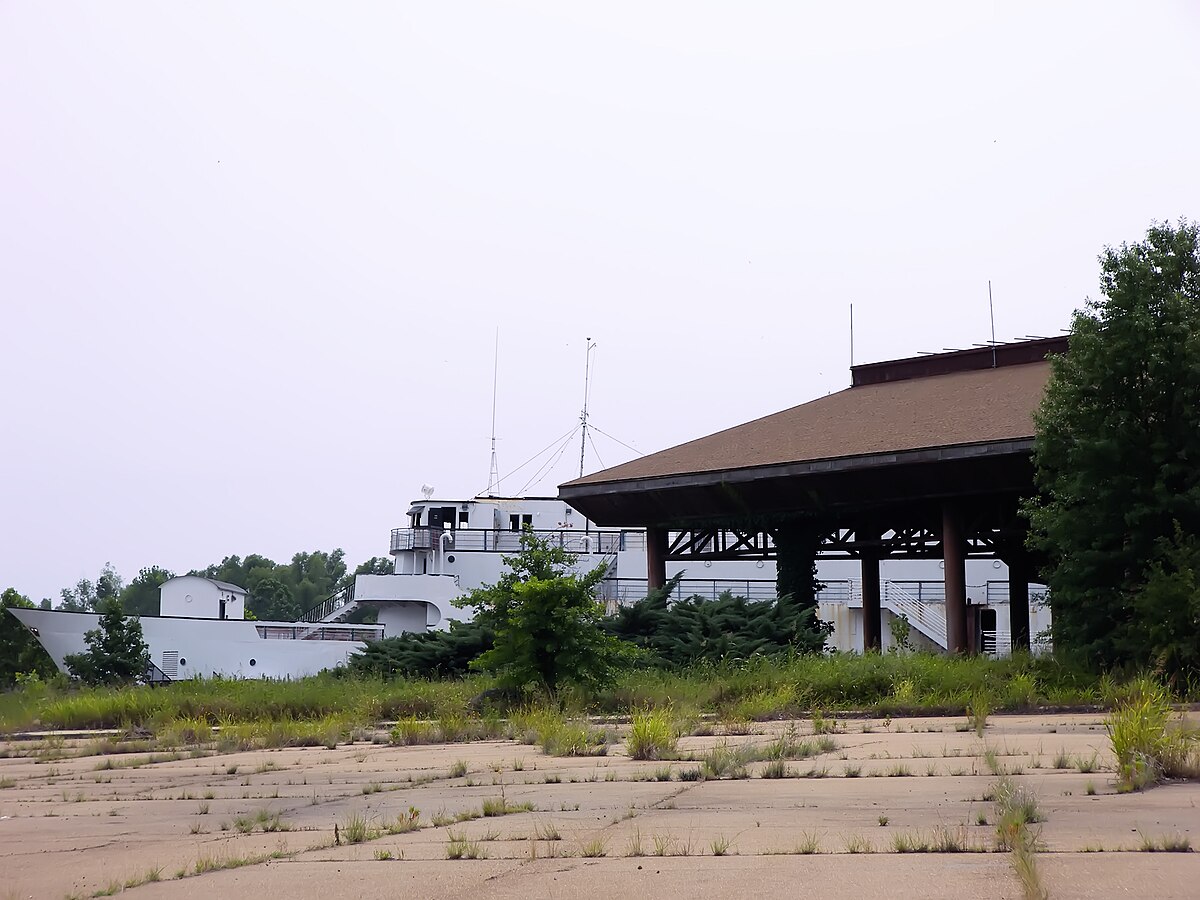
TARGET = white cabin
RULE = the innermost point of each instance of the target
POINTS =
(197, 597)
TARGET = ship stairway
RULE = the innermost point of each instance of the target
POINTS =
(154, 675)
(333, 608)
(928, 619)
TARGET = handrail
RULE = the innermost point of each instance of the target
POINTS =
(901, 603)
(494, 540)
(329, 605)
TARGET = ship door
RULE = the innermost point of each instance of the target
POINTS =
(987, 631)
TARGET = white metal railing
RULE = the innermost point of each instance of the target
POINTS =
(624, 591)
(928, 619)
(995, 643)
(320, 632)
(494, 540)
(930, 622)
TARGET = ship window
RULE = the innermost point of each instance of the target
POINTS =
(254, 662)
(464, 518)
(183, 661)
(514, 523)
(450, 558)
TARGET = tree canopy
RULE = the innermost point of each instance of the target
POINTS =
(1117, 452)
(20, 652)
(117, 652)
(283, 591)
(545, 620)
(87, 596)
(141, 597)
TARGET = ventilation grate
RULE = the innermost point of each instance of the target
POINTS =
(170, 663)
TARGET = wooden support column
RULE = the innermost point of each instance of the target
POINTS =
(954, 556)
(656, 558)
(1018, 602)
(872, 619)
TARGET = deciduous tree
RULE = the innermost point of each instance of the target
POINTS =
(546, 621)
(1118, 458)
(117, 653)
(20, 652)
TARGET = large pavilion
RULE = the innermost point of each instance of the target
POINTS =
(925, 457)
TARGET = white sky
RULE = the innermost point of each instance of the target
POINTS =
(253, 255)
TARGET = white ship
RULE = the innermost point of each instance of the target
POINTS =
(448, 548)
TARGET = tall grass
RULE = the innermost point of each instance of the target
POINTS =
(653, 735)
(881, 683)
(219, 701)
(756, 689)
(1147, 741)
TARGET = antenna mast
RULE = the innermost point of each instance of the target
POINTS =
(852, 335)
(494, 474)
(587, 375)
(992, 314)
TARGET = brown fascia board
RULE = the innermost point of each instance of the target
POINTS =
(1018, 445)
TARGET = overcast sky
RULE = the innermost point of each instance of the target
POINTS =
(253, 256)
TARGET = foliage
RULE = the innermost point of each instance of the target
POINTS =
(141, 597)
(1118, 436)
(117, 652)
(376, 565)
(545, 621)
(653, 734)
(20, 652)
(273, 601)
(727, 628)
(433, 653)
(1147, 744)
(1167, 606)
(901, 630)
(295, 587)
(87, 596)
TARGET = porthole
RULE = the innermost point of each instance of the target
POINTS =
(450, 558)
(254, 662)
(995, 564)
(182, 661)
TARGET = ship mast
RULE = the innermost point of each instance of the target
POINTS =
(494, 474)
(583, 417)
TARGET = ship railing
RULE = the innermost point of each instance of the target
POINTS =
(929, 621)
(319, 633)
(624, 591)
(494, 540)
(330, 605)
(995, 643)
(154, 675)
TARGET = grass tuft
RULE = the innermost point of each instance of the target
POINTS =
(653, 735)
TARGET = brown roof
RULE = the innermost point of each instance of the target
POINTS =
(953, 409)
